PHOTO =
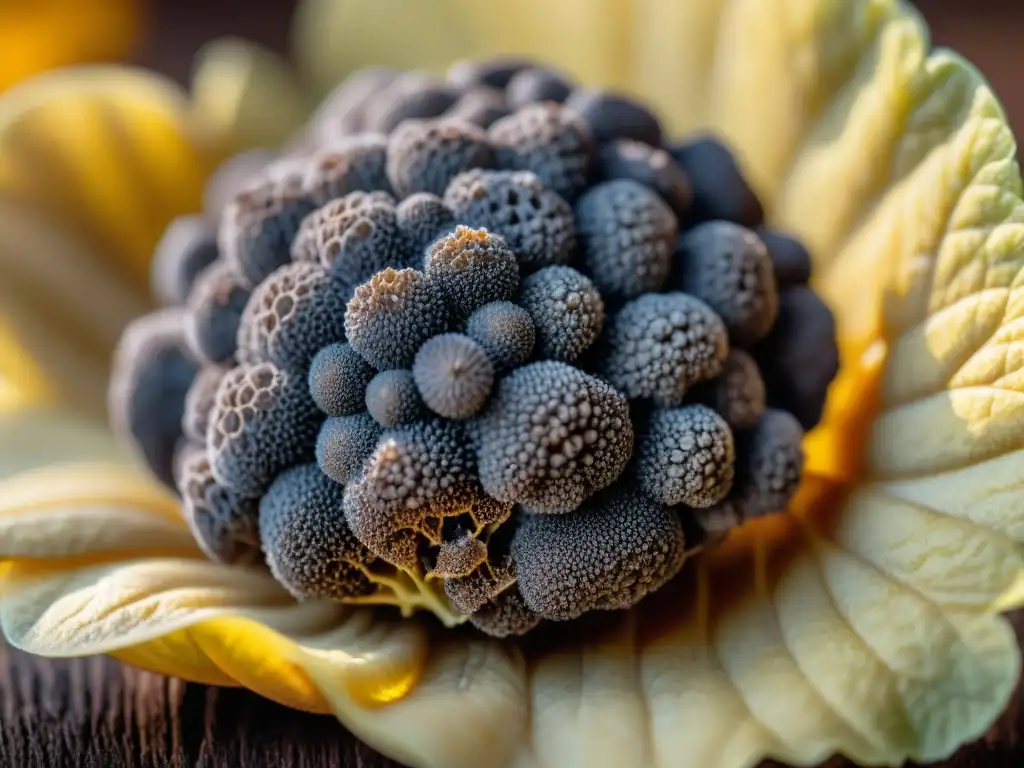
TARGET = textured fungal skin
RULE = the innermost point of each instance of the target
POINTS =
(392, 314)
(799, 358)
(790, 259)
(459, 556)
(412, 95)
(419, 475)
(727, 267)
(506, 615)
(199, 401)
(660, 345)
(224, 524)
(150, 379)
(187, 247)
(392, 398)
(493, 73)
(490, 333)
(425, 155)
(535, 84)
(738, 392)
(341, 114)
(506, 333)
(422, 218)
(291, 315)
(482, 106)
(609, 116)
(548, 141)
(551, 436)
(471, 593)
(344, 444)
(309, 546)
(536, 222)
(453, 375)
(213, 313)
(770, 463)
(686, 456)
(628, 235)
(258, 225)
(719, 190)
(231, 177)
(472, 267)
(651, 166)
(263, 421)
(566, 309)
(607, 555)
(338, 377)
(352, 164)
(353, 236)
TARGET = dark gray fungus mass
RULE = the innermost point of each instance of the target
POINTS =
(151, 376)
(263, 421)
(566, 309)
(609, 116)
(224, 524)
(719, 190)
(629, 235)
(425, 155)
(537, 84)
(353, 164)
(353, 236)
(188, 246)
(410, 96)
(392, 398)
(606, 555)
(552, 436)
(549, 141)
(728, 267)
(419, 475)
(258, 225)
(686, 456)
(486, 342)
(535, 221)
(310, 548)
(472, 267)
(738, 392)
(506, 333)
(344, 444)
(392, 314)
(214, 311)
(199, 401)
(660, 345)
(506, 615)
(482, 106)
(651, 166)
(422, 218)
(291, 315)
(453, 375)
(338, 377)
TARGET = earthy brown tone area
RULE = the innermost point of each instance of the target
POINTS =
(65, 714)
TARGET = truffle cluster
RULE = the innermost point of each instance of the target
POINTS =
(488, 344)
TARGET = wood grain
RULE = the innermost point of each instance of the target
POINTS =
(96, 713)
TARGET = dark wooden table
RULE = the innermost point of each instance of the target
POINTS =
(96, 713)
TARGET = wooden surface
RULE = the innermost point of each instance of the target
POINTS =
(96, 713)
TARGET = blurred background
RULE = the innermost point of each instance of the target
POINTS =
(988, 32)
